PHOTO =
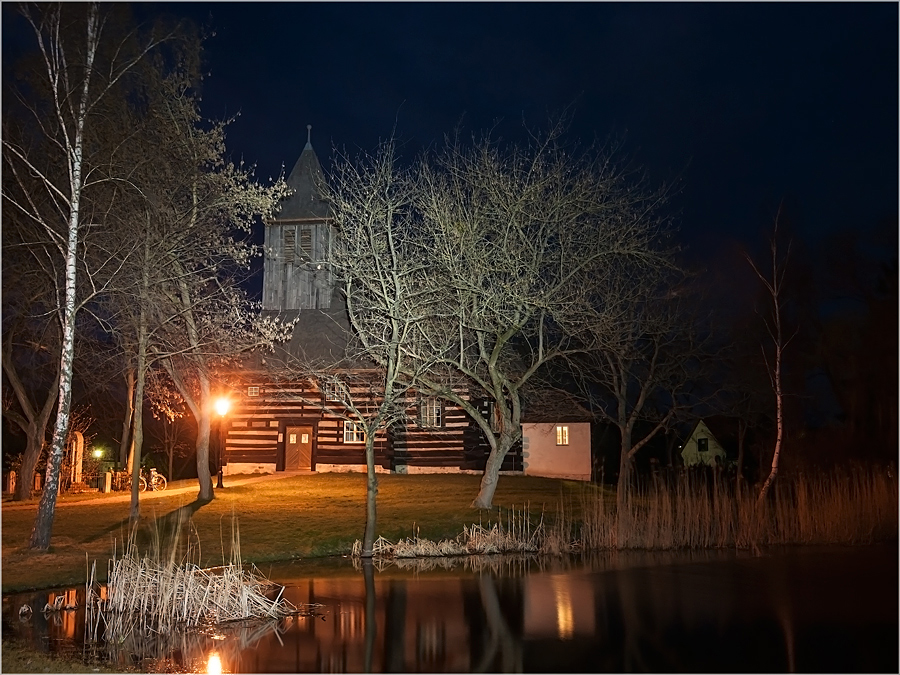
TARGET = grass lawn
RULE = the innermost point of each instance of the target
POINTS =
(305, 516)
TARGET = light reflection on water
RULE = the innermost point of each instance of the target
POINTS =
(803, 609)
(214, 666)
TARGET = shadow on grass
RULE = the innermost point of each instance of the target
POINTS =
(153, 531)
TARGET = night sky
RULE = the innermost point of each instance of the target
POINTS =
(740, 105)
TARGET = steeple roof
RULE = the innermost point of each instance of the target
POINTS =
(304, 179)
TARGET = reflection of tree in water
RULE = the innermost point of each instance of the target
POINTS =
(501, 640)
(395, 627)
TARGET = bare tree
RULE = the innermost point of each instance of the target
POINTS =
(379, 262)
(29, 342)
(76, 74)
(526, 244)
(168, 408)
(180, 306)
(773, 281)
(652, 364)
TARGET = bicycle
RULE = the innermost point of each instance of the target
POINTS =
(156, 482)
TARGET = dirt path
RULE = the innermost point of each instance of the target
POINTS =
(149, 496)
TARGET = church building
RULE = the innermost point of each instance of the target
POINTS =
(284, 422)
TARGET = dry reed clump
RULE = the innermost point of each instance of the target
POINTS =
(518, 536)
(162, 595)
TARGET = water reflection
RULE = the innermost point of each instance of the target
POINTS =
(803, 610)
(214, 665)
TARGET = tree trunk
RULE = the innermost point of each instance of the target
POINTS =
(33, 449)
(203, 434)
(124, 444)
(779, 414)
(171, 455)
(43, 523)
(775, 287)
(626, 469)
(742, 435)
(204, 478)
(371, 496)
(32, 422)
(485, 497)
(138, 437)
(140, 381)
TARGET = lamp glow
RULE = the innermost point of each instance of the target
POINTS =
(222, 406)
(214, 667)
(98, 453)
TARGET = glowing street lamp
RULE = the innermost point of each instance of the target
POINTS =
(222, 406)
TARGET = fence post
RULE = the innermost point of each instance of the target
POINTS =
(37, 482)
(107, 482)
(11, 481)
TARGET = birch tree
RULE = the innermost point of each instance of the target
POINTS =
(773, 282)
(76, 73)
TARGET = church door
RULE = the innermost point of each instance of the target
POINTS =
(298, 448)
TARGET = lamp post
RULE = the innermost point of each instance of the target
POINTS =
(222, 406)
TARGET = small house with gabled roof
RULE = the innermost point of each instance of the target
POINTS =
(702, 448)
(556, 437)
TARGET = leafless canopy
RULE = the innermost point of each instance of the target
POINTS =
(498, 260)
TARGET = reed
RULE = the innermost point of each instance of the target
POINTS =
(856, 505)
(518, 535)
(165, 591)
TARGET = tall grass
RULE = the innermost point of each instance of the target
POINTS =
(856, 505)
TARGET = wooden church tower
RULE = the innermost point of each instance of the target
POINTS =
(295, 273)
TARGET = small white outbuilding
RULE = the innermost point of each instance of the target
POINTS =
(556, 439)
(702, 449)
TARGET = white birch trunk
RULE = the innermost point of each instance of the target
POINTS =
(43, 524)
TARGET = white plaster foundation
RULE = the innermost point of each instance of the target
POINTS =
(246, 467)
(234, 468)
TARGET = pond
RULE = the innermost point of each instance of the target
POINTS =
(799, 609)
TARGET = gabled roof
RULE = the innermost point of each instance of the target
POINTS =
(722, 429)
(304, 179)
(553, 406)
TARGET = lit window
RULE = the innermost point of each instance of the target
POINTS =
(430, 412)
(335, 390)
(252, 391)
(562, 435)
(354, 432)
(703, 444)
